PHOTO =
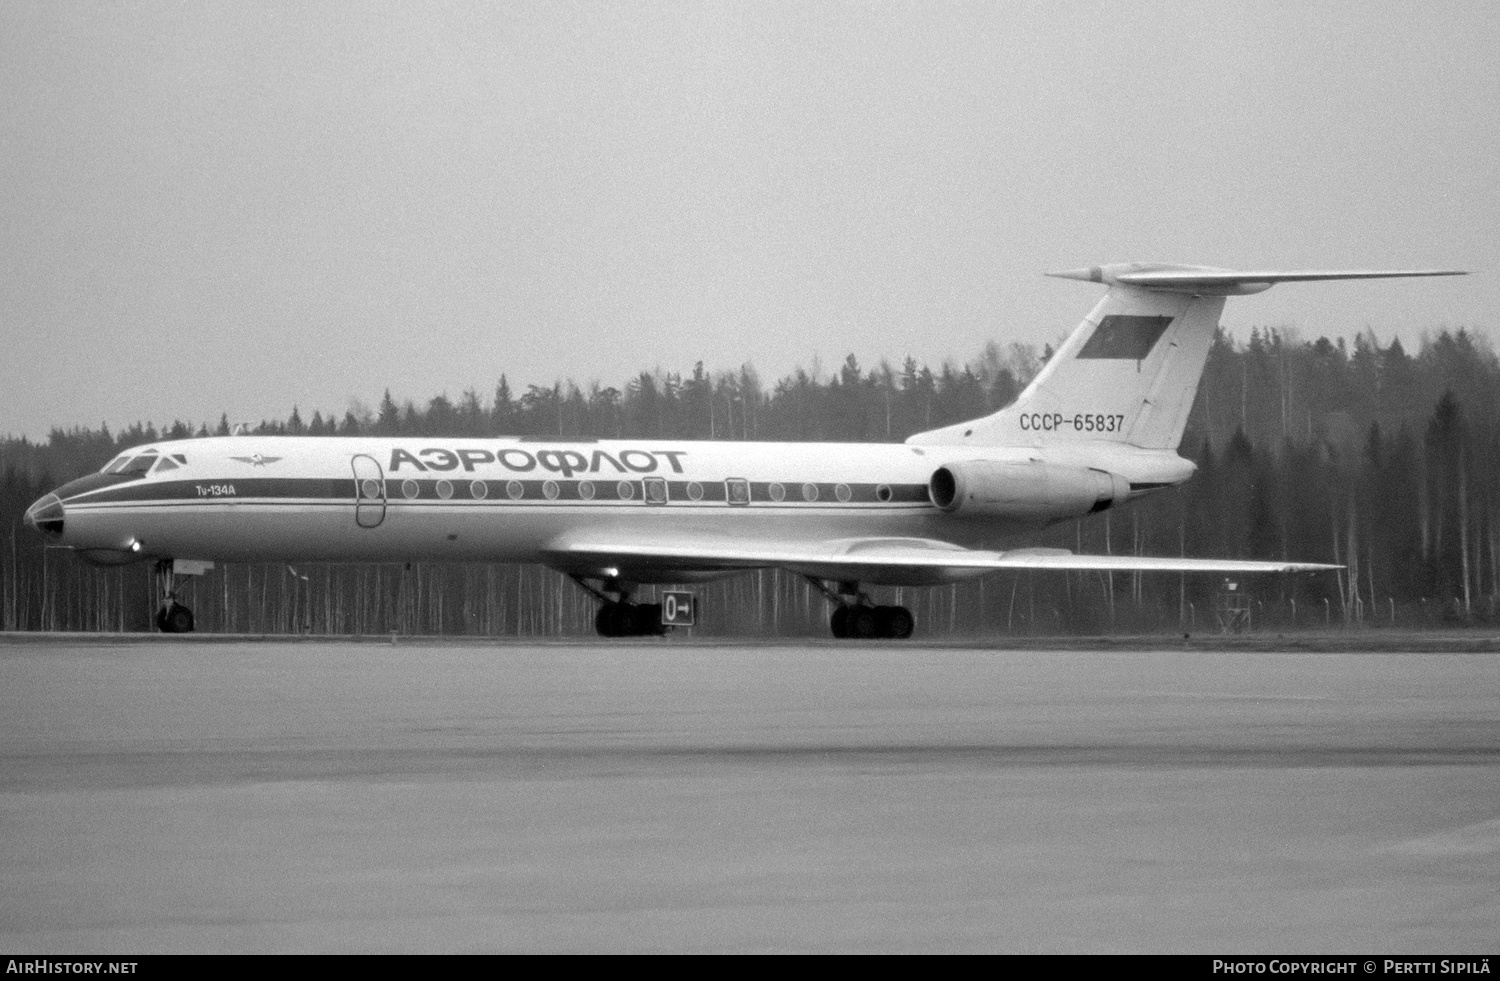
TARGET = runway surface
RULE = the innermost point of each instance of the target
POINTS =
(659, 796)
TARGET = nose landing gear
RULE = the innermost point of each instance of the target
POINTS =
(172, 617)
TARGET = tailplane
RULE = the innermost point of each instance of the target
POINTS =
(1130, 371)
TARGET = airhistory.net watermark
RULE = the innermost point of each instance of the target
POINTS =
(40, 965)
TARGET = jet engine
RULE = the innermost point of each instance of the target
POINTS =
(1029, 490)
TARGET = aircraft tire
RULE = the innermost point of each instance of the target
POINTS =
(608, 620)
(895, 622)
(623, 622)
(839, 623)
(175, 619)
(863, 623)
(647, 617)
(629, 620)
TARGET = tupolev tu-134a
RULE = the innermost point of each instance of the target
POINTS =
(1098, 426)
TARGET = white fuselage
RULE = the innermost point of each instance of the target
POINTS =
(506, 499)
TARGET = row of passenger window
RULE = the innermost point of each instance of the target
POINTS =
(653, 490)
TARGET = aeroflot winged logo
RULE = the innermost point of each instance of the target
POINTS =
(516, 460)
(256, 460)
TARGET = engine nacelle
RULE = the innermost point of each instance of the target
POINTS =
(1026, 490)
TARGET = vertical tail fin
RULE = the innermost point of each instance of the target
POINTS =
(1130, 371)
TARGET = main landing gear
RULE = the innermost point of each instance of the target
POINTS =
(172, 617)
(626, 619)
(855, 617)
(619, 617)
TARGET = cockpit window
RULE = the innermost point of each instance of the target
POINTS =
(139, 464)
(165, 465)
(126, 463)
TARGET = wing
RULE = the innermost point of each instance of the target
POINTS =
(884, 561)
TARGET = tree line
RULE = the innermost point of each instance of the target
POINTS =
(1360, 454)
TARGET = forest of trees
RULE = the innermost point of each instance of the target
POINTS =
(1371, 457)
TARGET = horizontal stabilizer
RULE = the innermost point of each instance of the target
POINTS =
(1208, 281)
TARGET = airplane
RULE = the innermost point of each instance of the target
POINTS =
(1098, 426)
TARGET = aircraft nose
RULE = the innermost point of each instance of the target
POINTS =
(46, 516)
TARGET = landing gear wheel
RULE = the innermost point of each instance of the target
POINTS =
(647, 618)
(615, 620)
(629, 620)
(872, 622)
(894, 622)
(174, 619)
(863, 624)
(604, 620)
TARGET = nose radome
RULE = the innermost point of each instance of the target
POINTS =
(46, 516)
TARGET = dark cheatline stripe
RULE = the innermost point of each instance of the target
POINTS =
(242, 487)
(94, 482)
(499, 492)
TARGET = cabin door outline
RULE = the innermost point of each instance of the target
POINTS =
(369, 491)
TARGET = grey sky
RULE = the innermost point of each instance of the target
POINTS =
(236, 207)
